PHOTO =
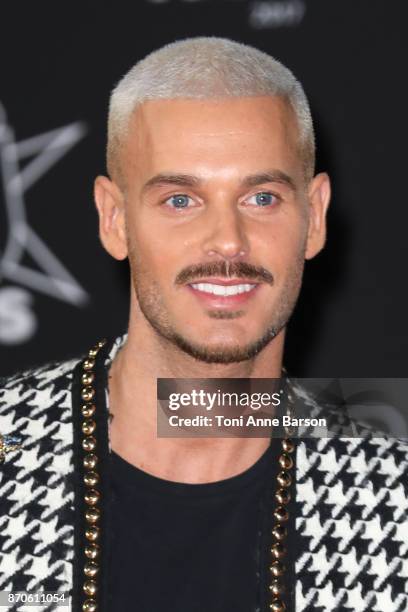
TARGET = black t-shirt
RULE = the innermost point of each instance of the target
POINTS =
(179, 547)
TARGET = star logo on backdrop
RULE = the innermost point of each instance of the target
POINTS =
(48, 275)
(45, 150)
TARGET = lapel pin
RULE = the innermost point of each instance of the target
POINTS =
(7, 444)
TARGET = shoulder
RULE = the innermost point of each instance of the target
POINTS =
(344, 435)
(353, 455)
(37, 386)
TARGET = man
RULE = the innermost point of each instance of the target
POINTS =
(212, 196)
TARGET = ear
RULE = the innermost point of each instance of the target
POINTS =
(319, 198)
(109, 202)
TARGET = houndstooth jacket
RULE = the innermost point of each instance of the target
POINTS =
(350, 525)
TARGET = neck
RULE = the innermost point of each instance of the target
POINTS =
(132, 398)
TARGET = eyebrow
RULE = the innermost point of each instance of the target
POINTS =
(271, 176)
(183, 180)
(189, 180)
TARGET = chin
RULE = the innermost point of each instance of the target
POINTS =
(223, 351)
(218, 343)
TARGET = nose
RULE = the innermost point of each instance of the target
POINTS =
(226, 236)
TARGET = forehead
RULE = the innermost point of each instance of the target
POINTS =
(231, 134)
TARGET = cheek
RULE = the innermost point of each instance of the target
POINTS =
(281, 247)
(154, 254)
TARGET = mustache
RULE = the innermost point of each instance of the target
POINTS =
(224, 269)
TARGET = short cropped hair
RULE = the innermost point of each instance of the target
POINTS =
(206, 68)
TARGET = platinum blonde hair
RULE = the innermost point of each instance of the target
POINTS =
(207, 67)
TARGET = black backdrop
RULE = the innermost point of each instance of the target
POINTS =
(59, 291)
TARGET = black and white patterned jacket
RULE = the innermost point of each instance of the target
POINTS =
(351, 506)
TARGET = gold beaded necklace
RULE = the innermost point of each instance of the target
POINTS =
(92, 499)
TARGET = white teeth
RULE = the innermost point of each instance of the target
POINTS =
(222, 289)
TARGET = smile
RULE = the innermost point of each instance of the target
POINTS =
(223, 290)
(222, 294)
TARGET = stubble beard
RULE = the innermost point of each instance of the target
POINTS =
(152, 306)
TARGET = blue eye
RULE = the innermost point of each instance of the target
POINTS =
(263, 198)
(179, 200)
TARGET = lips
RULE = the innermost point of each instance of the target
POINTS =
(223, 293)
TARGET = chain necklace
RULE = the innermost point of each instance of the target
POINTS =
(92, 499)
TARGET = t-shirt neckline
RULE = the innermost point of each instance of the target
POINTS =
(133, 476)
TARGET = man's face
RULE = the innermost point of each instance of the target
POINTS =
(216, 221)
